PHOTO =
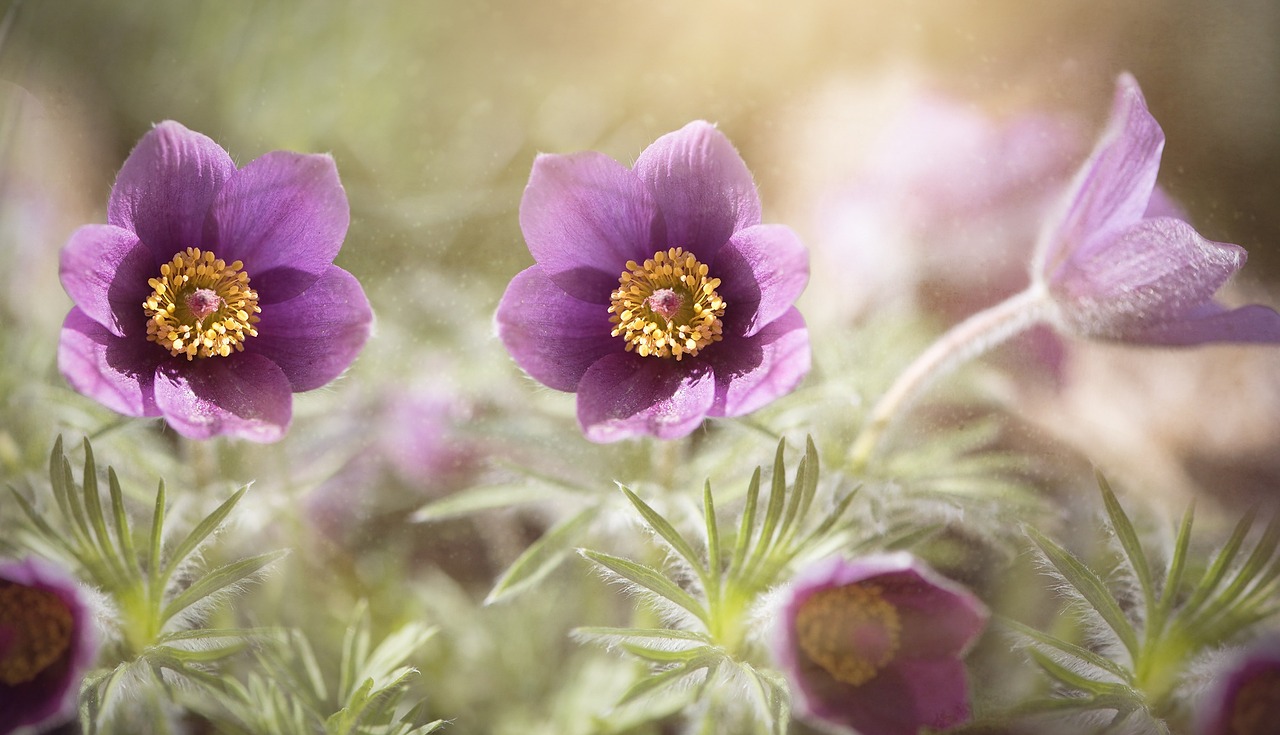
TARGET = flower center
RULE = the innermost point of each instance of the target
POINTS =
(667, 306)
(38, 627)
(200, 306)
(1257, 705)
(851, 632)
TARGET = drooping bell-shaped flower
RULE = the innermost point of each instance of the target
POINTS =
(47, 643)
(1117, 267)
(875, 645)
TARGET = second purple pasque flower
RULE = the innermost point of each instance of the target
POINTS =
(656, 294)
(1117, 266)
(211, 296)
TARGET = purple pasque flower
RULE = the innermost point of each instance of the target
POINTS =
(47, 643)
(656, 294)
(1115, 264)
(210, 297)
(875, 644)
(1244, 698)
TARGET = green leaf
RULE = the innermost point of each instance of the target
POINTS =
(201, 532)
(1128, 537)
(541, 557)
(475, 500)
(1177, 564)
(218, 580)
(649, 579)
(1071, 679)
(1090, 586)
(1218, 567)
(746, 528)
(1083, 655)
(714, 571)
(661, 679)
(663, 528)
(93, 511)
(123, 533)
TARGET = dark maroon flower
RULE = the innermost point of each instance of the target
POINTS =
(211, 296)
(657, 296)
(1117, 267)
(875, 644)
(1244, 699)
(47, 643)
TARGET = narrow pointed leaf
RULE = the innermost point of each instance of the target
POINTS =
(649, 579)
(541, 557)
(663, 528)
(219, 579)
(1090, 586)
(124, 534)
(1128, 537)
(202, 531)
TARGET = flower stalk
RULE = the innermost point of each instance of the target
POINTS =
(963, 342)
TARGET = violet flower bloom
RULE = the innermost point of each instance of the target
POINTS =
(1115, 269)
(657, 296)
(875, 644)
(1244, 699)
(211, 296)
(47, 643)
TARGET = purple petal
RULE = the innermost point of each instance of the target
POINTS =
(762, 271)
(1114, 187)
(583, 217)
(625, 395)
(105, 269)
(285, 216)
(754, 371)
(701, 186)
(166, 187)
(1150, 273)
(314, 336)
(551, 335)
(118, 372)
(907, 696)
(1213, 322)
(940, 619)
(243, 395)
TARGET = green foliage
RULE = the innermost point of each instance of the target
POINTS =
(1133, 659)
(287, 693)
(160, 595)
(710, 589)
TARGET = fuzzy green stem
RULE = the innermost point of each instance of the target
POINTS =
(963, 342)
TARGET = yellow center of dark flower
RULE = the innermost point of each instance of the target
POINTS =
(40, 625)
(200, 306)
(1256, 709)
(667, 306)
(851, 632)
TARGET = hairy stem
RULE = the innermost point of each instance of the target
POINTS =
(963, 342)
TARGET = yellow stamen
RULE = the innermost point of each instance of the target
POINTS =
(41, 625)
(667, 306)
(851, 632)
(200, 306)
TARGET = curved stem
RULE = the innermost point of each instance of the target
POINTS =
(965, 341)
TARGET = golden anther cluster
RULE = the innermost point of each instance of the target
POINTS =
(852, 632)
(686, 317)
(41, 624)
(172, 324)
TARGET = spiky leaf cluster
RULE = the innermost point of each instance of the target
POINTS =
(1133, 660)
(157, 591)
